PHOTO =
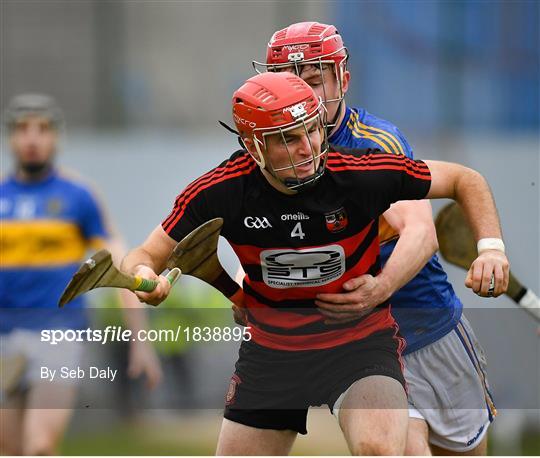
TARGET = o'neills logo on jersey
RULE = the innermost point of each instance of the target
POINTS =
(337, 220)
(306, 267)
(294, 217)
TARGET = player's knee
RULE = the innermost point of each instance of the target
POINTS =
(372, 449)
(417, 446)
(382, 447)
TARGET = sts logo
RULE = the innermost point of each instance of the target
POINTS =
(286, 268)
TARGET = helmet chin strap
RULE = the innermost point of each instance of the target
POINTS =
(302, 184)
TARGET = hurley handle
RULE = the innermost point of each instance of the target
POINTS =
(147, 285)
(457, 246)
(524, 297)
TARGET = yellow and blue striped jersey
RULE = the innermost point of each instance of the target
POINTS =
(46, 229)
(427, 307)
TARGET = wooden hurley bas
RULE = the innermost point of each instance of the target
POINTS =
(195, 255)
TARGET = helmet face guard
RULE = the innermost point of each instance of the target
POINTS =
(260, 137)
(297, 61)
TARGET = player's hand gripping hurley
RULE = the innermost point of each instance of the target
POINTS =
(195, 254)
(457, 246)
(99, 271)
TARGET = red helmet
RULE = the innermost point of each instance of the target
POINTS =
(273, 103)
(307, 43)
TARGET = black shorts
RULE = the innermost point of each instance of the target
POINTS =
(273, 389)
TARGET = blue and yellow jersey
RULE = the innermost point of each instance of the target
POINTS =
(427, 307)
(46, 229)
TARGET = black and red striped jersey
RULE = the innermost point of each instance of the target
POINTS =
(293, 247)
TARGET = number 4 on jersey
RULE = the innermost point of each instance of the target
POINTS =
(297, 231)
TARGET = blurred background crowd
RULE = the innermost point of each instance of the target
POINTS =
(143, 85)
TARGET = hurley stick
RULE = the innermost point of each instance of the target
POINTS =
(457, 246)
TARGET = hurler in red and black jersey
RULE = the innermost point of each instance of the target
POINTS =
(302, 217)
(294, 246)
(301, 224)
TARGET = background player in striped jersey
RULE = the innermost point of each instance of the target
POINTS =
(302, 218)
(450, 405)
(49, 220)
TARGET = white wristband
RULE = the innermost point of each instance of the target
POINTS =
(490, 244)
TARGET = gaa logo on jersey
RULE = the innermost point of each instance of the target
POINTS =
(337, 220)
(254, 222)
(307, 267)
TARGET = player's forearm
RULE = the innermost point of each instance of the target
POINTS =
(153, 253)
(415, 246)
(475, 198)
(471, 191)
(137, 257)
